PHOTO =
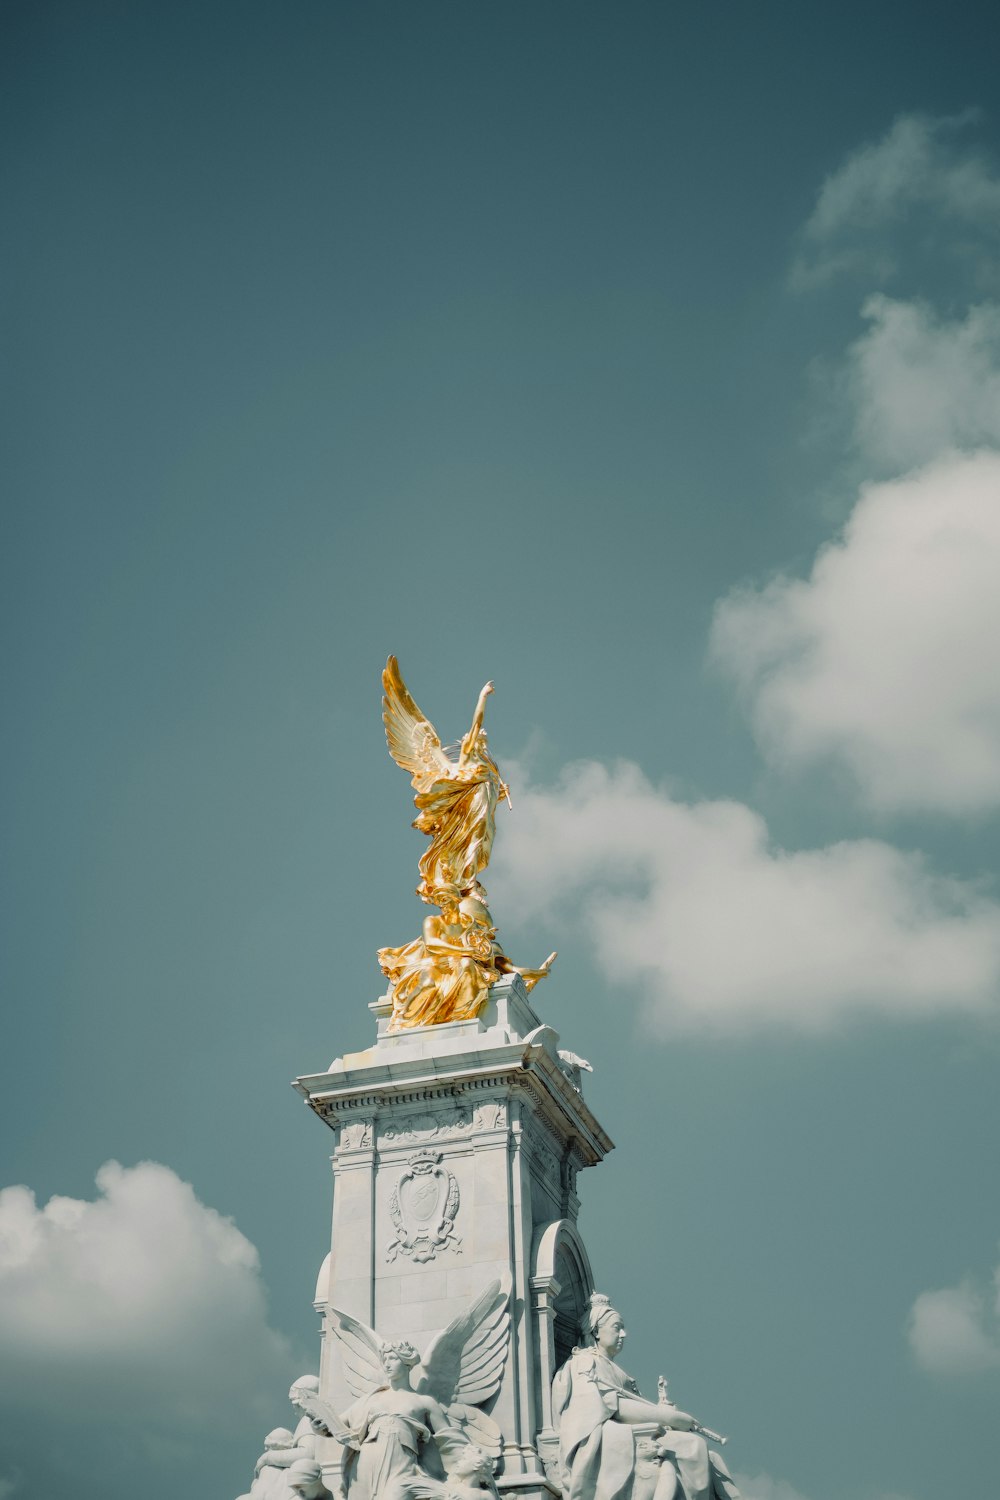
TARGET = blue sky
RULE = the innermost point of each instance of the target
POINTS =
(646, 360)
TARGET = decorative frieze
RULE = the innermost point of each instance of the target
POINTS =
(427, 1125)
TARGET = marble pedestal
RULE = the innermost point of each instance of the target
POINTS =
(456, 1159)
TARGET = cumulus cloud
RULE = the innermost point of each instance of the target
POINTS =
(922, 166)
(956, 1330)
(143, 1303)
(722, 930)
(882, 660)
(885, 657)
(918, 384)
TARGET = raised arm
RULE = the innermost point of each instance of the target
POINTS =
(469, 742)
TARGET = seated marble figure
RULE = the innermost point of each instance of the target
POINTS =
(284, 1448)
(616, 1445)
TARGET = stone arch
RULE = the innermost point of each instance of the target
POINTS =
(322, 1293)
(562, 1283)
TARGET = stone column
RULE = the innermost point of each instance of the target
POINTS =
(545, 1289)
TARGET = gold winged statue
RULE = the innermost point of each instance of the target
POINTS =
(445, 974)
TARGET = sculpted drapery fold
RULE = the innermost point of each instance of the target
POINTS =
(616, 1445)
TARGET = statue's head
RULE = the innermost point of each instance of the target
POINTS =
(604, 1324)
(470, 1462)
(305, 1478)
(280, 1437)
(305, 1385)
(398, 1356)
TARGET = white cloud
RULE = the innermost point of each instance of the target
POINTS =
(725, 932)
(918, 384)
(956, 1331)
(919, 165)
(142, 1312)
(763, 1487)
(885, 658)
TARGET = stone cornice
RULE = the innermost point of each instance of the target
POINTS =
(520, 1068)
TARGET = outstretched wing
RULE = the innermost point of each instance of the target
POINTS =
(412, 739)
(361, 1350)
(477, 1428)
(465, 1362)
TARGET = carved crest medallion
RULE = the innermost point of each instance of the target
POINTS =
(423, 1206)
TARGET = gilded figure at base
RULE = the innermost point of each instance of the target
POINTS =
(445, 974)
(600, 1414)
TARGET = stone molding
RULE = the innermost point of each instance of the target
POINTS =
(554, 1103)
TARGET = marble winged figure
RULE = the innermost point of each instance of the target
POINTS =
(414, 1418)
(445, 974)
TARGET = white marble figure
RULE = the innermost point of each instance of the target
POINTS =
(574, 1067)
(305, 1481)
(309, 1429)
(470, 1473)
(600, 1414)
(402, 1426)
(280, 1452)
(283, 1448)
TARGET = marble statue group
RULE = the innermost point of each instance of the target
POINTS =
(459, 1136)
(406, 1443)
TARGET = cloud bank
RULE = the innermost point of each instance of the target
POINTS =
(919, 385)
(137, 1324)
(885, 657)
(883, 660)
(921, 171)
(956, 1330)
(723, 931)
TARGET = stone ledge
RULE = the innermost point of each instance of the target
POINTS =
(529, 1066)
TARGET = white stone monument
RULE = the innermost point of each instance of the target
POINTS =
(463, 1347)
(457, 1152)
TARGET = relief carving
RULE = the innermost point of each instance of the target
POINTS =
(428, 1125)
(492, 1115)
(423, 1206)
(357, 1135)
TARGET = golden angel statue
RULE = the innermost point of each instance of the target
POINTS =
(445, 974)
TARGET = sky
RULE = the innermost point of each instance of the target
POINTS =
(644, 359)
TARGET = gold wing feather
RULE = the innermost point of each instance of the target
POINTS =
(413, 741)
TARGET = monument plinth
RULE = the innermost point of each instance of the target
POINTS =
(457, 1151)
